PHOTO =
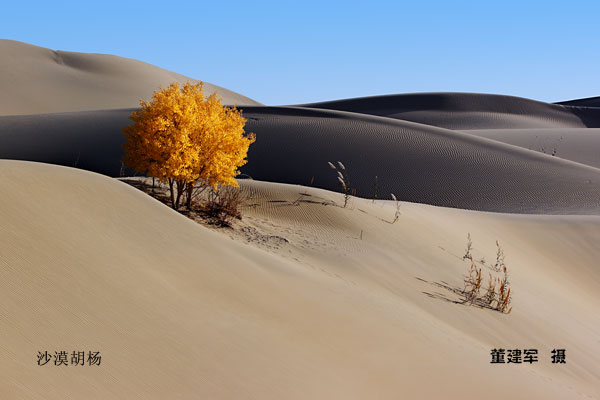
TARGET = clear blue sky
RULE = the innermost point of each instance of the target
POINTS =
(302, 51)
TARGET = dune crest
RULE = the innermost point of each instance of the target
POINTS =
(416, 162)
(468, 111)
(587, 102)
(36, 80)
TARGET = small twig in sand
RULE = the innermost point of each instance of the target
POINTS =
(342, 177)
(469, 247)
(397, 214)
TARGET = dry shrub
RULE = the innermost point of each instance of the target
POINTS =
(342, 177)
(499, 266)
(490, 295)
(469, 248)
(223, 205)
(472, 283)
(496, 299)
(504, 297)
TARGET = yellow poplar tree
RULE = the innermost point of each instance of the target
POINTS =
(182, 138)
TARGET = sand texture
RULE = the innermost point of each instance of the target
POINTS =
(589, 102)
(310, 300)
(418, 163)
(302, 298)
(470, 111)
(36, 80)
(573, 144)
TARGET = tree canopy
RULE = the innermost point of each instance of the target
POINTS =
(185, 139)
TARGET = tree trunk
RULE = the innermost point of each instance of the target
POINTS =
(190, 189)
(172, 194)
(180, 188)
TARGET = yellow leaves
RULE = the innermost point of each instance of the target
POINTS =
(180, 134)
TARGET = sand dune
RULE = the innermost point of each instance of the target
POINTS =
(303, 298)
(588, 102)
(37, 80)
(469, 111)
(89, 140)
(417, 163)
(573, 144)
(179, 311)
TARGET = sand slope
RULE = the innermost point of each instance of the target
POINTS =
(416, 162)
(588, 102)
(469, 111)
(179, 311)
(89, 140)
(574, 144)
(38, 80)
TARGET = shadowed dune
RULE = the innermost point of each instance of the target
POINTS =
(469, 111)
(89, 140)
(35, 80)
(587, 102)
(417, 163)
(581, 145)
(403, 140)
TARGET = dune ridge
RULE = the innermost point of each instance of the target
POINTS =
(574, 144)
(468, 111)
(416, 162)
(587, 102)
(464, 150)
(36, 80)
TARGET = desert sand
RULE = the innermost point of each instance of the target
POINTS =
(302, 298)
(573, 144)
(36, 80)
(473, 110)
(176, 308)
(589, 102)
(418, 163)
